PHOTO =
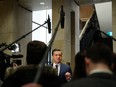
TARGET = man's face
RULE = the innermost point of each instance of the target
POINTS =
(57, 56)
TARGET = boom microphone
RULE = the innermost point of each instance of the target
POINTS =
(62, 14)
(49, 25)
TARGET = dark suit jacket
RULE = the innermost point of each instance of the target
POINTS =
(63, 69)
(94, 80)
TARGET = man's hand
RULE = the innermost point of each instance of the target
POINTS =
(68, 76)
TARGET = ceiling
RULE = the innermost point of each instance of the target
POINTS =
(35, 4)
(85, 2)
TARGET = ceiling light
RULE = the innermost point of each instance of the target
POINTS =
(42, 3)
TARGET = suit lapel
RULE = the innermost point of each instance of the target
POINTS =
(61, 69)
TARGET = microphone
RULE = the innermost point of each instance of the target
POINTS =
(49, 24)
(62, 14)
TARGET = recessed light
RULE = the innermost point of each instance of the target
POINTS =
(42, 3)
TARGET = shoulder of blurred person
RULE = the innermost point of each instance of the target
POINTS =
(98, 62)
(1, 82)
(92, 82)
(79, 67)
(32, 85)
(11, 69)
(35, 52)
(26, 74)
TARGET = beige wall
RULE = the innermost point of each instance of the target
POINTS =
(24, 25)
(114, 23)
(67, 38)
(14, 22)
(75, 31)
(60, 41)
(7, 21)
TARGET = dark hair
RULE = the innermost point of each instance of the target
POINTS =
(26, 74)
(35, 52)
(56, 49)
(99, 52)
(79, 68)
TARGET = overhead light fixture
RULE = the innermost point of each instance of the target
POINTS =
(42, 3)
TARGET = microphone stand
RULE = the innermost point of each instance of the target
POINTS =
(38, 24)
(41, 65)
(22, 37)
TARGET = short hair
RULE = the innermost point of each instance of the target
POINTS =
(100, 53)
(56, 49)
(26, 74)
(79, 68)
(35, 52)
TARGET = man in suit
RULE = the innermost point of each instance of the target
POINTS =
(64, 71)
(98, 62)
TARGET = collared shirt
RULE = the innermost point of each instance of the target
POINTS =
(54, 66)
(101, 70)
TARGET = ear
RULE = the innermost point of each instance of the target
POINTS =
(87, 61)
(87, 65)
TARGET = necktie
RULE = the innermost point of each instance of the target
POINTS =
(56, 66)
(56, 69)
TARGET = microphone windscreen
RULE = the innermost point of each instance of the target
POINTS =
(49, 25)
(62, 22)
(62, 14)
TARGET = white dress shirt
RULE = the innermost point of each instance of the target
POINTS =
(101, 70)
(54, 66)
